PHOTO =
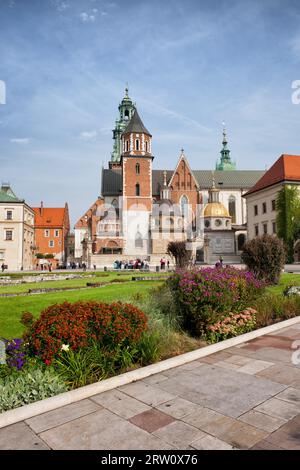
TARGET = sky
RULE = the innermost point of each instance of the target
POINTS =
(189, 65)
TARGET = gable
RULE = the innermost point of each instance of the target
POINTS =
(183, 177)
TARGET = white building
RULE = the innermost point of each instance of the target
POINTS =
(16, 231)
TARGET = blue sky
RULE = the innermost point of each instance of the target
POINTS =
(189, 65)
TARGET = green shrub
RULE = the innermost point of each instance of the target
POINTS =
(149, 347)
(273, 308)
(265, 257)
(28, 386)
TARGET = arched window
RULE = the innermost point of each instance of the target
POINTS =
(184, 203)
(137, 169)
(137, 144)
(115, 203)
(232, 209)
(126, 114)
(127, 145)
(137, 189)
(138, 240)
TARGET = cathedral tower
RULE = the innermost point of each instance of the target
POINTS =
(126, 111)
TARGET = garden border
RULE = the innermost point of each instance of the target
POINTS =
(49, 404)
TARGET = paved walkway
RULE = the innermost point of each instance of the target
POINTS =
(247, 397)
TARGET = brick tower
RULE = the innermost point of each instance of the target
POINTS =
(137, 186)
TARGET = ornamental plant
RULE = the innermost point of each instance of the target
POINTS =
(15, 353)
(80, 324)
(232, 325)
(202, 296)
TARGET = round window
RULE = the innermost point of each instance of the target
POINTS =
(207, 223)
(218, 222)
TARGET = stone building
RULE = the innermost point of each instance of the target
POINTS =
(140, 209)
(16, 231)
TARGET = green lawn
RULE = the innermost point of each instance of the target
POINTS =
(97, 277)
(285, 280)
(11, 308)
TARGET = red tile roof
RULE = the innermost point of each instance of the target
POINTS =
(49, 216)
(286, 168)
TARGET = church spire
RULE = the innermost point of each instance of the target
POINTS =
(225, 160)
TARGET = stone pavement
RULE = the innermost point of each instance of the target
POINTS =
(245, 397)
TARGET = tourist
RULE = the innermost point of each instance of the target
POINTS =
(2, 266)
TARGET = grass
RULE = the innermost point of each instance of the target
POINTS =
(286, 279)
(11, 308)
(97, 277)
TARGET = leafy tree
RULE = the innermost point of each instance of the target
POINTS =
(288, 218)
(179, 251)
(265, 257)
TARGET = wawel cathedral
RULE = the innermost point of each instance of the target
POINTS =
(141, 209)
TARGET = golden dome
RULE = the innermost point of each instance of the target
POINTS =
(215, 209)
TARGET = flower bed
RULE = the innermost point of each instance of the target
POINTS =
(202, 296)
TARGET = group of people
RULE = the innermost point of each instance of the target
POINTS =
(132, 264)
(164, 263)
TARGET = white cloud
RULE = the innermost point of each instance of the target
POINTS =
(21, 141)
(87, 17)
(88, 135)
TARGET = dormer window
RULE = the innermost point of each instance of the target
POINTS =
(137, 144)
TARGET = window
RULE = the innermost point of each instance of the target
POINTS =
(138, 240)
(137, 169)
(127, 145)
(137, 144)
(126, 114)
(8, 235)
(137, 189)
(47, 233)
(265, 228)
(184, 206)
(264, 207)
(218, 222)
(255, 210)
(146, 146)
(273, 204)
(207, 223)
(2, 256)
(51, 244)
(256, 231)
(232, 208)
(274, 227)
(241, 241)
(9, 215)
(56, 233)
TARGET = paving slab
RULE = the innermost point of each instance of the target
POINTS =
(120, 403)
(148, 393)
(211, 443)
(262, 421)
(279, 409)
(62, 415)
(20, 437)
(255, 366)
(101, 430)
(178, 407)
(179, 434)
(151, 420)
(281, 373)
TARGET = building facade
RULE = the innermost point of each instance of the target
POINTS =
(52, 227)
(140, 209)
(261, 198)
(16, 231)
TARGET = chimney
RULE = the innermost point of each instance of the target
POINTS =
(41, 209)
